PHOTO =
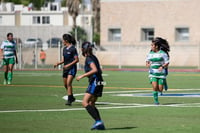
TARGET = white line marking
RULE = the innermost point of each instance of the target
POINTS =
(134, 105)
(116, 105)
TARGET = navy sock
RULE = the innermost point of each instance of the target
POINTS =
(93, 112)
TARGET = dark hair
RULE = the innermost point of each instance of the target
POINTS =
(162, 44)
(9, 34)
(87, 48)
(69, 38)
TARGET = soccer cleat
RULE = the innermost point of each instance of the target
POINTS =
(5, 82)
(156, 103)
(98, 125)
(9, 83)
(69, 102)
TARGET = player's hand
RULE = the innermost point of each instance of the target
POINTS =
(79, 77)
(16, 61)
(160, 69)
(65, 67)
(55, 65)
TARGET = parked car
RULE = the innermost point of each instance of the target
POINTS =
(30, 42)
(54, 41)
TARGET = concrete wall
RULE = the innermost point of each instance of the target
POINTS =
(187, 55)
(162, 15)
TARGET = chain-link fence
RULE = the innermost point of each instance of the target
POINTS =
(116, 55)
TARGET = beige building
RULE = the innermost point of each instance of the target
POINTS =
(130, 25)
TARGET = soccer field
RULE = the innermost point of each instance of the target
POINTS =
(34, 104)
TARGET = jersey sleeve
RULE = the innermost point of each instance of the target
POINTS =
(89, 60)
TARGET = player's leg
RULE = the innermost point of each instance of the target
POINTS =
(11, 63)
(5, 68)
(165, 84)
(165, 80)
(89, 103)
(154, 83)
(68, 85)
(10, 73)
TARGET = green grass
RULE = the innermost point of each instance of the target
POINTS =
(40, 91)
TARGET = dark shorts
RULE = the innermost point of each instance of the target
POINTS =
(95, 88)
(72, 71)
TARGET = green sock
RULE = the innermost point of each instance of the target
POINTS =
(5, 75)
(9, 76)
(155, 96)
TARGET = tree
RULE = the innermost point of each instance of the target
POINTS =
(96, 20)
(81, 33)
(14, 1)
(73, 9)
(63, 3)
(96, 12)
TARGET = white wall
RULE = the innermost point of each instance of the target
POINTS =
(56, 18)
(8, 19)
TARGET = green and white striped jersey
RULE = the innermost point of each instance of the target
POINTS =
(157, 59)
(8, 49)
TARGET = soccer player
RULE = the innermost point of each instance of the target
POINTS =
(70, 59)
(9, 56)
(95, 87)
(157, 60)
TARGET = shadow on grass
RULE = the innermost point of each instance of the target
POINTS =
(120, 128)
(170, 103)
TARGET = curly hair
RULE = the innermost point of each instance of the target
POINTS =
(162, 44)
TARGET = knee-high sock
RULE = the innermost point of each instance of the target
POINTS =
(9, 76)
(93, 112)
(5, 75)
(155, 96)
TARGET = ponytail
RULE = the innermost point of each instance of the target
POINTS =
(69, 38)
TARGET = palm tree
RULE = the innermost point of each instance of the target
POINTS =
(73, 9)
(96, 12)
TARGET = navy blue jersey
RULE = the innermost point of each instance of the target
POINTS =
(92, 59)
(69, 54)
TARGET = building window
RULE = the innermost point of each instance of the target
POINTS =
(114, 34)
(147, 34)
(0, 19)
(36, 19)
(41, 20)
(45, 20)
(182, 34)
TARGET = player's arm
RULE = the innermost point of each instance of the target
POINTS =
(59, 63)
(16, 56)
(1, 53)
(166, 61)
(91, 72)
(76, 60)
